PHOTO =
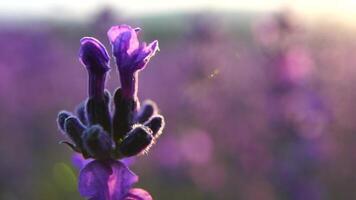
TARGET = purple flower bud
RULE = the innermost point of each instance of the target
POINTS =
(62, 116)
(137, 140)
(74, 129)
(156, 124)
(81, 112)
(131, 56)
(94, 57)
(97, 143)
(148, 109)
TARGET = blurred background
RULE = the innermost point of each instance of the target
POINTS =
(259, 97)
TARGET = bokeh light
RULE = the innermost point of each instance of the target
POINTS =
(258, 96)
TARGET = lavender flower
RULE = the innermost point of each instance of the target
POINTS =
(95, 58)
(131, 56)
(102, 137)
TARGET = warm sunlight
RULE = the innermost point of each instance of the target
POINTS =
(344, 10)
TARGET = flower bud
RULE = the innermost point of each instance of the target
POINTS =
(97, 142)
(148, 109)
(80, 111)
(137, 140)
(74, 129)
(156, 124)
(62, 116)
(94, 56)
(130, 55)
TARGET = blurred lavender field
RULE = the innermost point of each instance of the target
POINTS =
(257, 106)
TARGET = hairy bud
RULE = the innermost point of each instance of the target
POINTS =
(137, 140)
(97, 143)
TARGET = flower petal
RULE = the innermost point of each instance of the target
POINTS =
(138, 194)
(110, 180)
(124, 38)
(79, 161)
(93, 55)
(145, 53)
(93, 180)
(121, 180)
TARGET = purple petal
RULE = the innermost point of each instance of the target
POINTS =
(130, 55)
(79, 161)
(138, 194)
(124, 38)
(121, 181)
(95, 58)
(110, 180)
(145, 53)
(93, 181)
(93, 54)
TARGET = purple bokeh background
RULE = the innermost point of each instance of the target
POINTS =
(257, 107)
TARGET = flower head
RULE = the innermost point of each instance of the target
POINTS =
(103, 136)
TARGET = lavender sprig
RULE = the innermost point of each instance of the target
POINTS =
(98, 134)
